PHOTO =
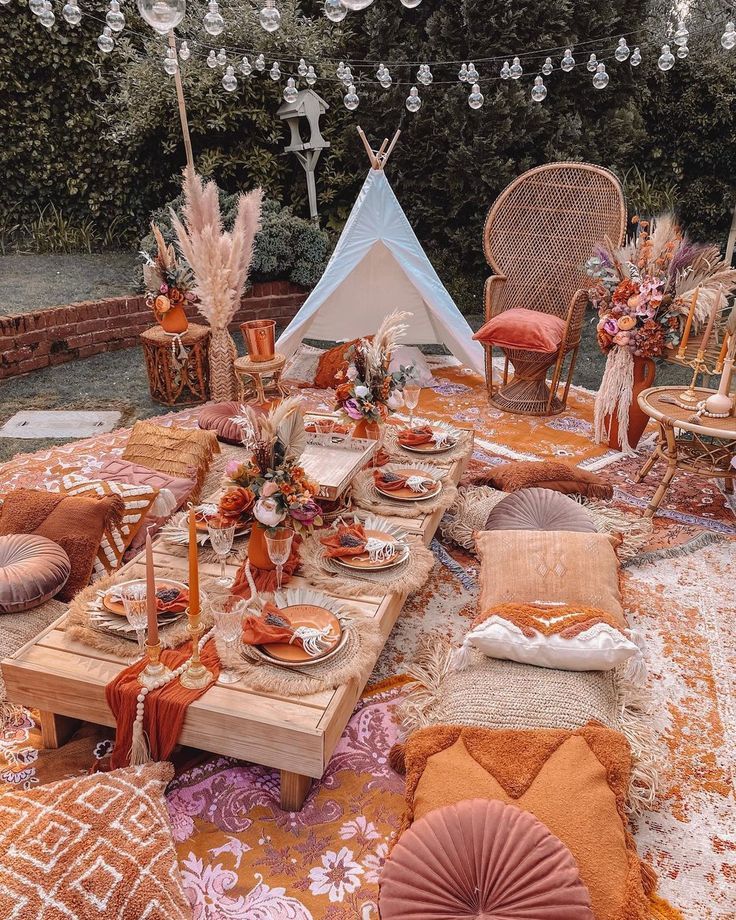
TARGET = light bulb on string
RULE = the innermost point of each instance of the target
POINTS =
(184, 52)
(170, 63)
(47, 18)
(351, 99)
(568, 61)
(105, 41)
(275, 71)
(600, 80)
(246, 68)
(290, 91)
(212, 60)
(269, 17)
(411, 4)
(681, 35)
(229, 80)
(635, 59)
(682, 52)
(476, 98)
(539, 90)
(666, 59)
(213, 22)
(335, 11)
(505, 71)
(425, 74)
(162, 15)
(592, 64)
(260, 63)
(463, 74)
(622, 50)
(384, 77)
(221, 57)
(114, 18)
(340, 70)
(413, 102)
(71, 13)
(547, 67)
(347, 76)
(302, 68)
(473, 74)
(728, 39)
(311, 76)
(36, 6)
(355, 6)
(515, 71)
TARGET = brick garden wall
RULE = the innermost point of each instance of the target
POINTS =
(53, 336)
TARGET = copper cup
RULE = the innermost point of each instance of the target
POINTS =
(259, 336)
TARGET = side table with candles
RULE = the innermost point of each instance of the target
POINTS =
(259, 381)
(177, 365)
(687, 441)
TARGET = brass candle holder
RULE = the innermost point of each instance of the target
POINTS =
(155, 673)
(689, 399)
(196, 676)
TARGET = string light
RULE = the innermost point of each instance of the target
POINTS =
(410, 4)
(622, 50)
(351, 99)
(114, 17)
(425, 74)
(568, 61)
(162, 15)
(105, 41)
(311, 77)
(335, 11)
(635, 58)
(505, 71)
(463, 74)
(47, 18)
(170, 63)
(539, 90)
(302, 68)
(682, 52)
(413, 102)
(260, 63)
(728, 39)
(269, 17)
(184, 52)
(71, 13)
(290, 91)
(547, 67)
(681, 36)
(515, 71)
(221, 57)
(212, 60)
(592, 63)
(246, 68)
(473, 75)
(275, 71)
(229, 80)
(600, 80)
(666, 59)
(355, 6)
(476, 98)
(37, 7)
(213, 22)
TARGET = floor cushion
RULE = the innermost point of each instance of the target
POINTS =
(574, 782)
(410, 356)
(96, 846)
(332, 363)
(76, 522)
(32, 570)
(545, 474)
(530, 330)
(481, 859)
(540, 509)
(222, 418)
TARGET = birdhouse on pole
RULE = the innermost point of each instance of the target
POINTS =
(302, 116)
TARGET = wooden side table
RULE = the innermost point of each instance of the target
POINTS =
(178, 370)
(259, 381)
(704, 446)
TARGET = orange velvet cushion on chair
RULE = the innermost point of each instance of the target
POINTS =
(527, 329)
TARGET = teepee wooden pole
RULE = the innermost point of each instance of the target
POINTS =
(387, 154)
(368, 149)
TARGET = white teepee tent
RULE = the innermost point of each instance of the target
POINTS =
(379, 266)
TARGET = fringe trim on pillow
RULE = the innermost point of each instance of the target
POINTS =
(661, 909)
(635, 530)
(672, 552)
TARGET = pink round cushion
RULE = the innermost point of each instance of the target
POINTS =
(481, 859)
(220, 418)
(32, 570)
(539, 509)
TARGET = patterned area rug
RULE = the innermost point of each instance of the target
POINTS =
(241, 856)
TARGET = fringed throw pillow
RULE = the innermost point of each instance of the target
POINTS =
(545, 474)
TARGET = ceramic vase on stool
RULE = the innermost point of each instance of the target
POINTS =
(174, 321)
(644, 372)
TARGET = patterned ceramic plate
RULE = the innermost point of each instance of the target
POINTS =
(406, 494)
(363, 562)
(311, 616)
(111, 598)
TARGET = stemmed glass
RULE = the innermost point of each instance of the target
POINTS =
(221, 538)
(279, 550)
(133, 596)
(228, 611)
(411, 400)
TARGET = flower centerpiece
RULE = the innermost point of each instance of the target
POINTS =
(367, 390)
(169, 283)
(644, 292)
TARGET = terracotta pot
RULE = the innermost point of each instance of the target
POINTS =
(371, 431)
(174, 320)
(644, 372)
(259, 336)
(258, 549)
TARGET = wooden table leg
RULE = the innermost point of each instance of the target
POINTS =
(671, 455)
(56, 730)
(294, 789)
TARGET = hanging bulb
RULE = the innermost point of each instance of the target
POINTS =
(728, 39)
(463, 74)
(260, 63)
(592, 64)
(170, 63)
(413, 102)
(473, 74)
(105, 41)
(37, 6)
(351, 99)
(213, 22)
(515, 71)
(635, 58)
(539, 90)
(411, 4)
(162, 15)
(476, 98)
(355, 6)
(290, 91)
(548, 67)
(184, 52)
(505, 71)
(384, 77)
(47, 18)
(221, 57)
(212, 60)
(340, 70)
(71, 13)
(335, 11)
(347, 76)
(114, 18)
(275, 71)
(681, 35)
(666, 58)
(246, 68)
(229, 81)
(269, 17)
(622, 50)
(682, 52)
(302, 68)
(425, 74)
(568, 61)
(600, 80)
(311, 77)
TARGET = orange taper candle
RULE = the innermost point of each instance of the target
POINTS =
(723, 352)
(151, 594)
(688, 323)
(193, 566)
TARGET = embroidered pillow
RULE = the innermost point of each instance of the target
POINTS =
(520, 328)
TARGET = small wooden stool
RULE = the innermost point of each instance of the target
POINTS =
(259, 381)
(178, 370)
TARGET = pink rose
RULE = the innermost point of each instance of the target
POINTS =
(232, 468)
(266, 512)
(269, 489)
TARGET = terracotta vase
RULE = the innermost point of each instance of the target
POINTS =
(644, 372)
(258, 549)
(371, 431)
(174, 320)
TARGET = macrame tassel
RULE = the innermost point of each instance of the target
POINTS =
(139, 750)
(614, 397)
(636, 671)
(461, 658)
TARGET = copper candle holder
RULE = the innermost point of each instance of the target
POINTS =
(260, 339)
(196, 676)
(155, 672)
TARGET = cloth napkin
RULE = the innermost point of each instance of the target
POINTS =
(393, 482)
(414, 437)
(258, 631)
(346, 542)
(176, 605)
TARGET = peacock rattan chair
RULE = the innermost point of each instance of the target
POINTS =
(538, 235)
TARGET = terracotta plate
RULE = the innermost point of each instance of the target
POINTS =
(363, 561)
(406, 494)
(304, 615)
(117, 606)
(431, 448)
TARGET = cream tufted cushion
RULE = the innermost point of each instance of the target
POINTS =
(32, 570)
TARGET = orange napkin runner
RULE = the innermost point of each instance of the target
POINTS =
(414, 437)
(345, 542)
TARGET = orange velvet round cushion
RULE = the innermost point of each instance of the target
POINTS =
(539, 509)
(220, 418)
(481, 859)
(32, 570)
(529, 330)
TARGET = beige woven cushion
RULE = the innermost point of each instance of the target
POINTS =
(540, 509)
(32, 570)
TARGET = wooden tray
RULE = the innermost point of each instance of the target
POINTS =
(332, 460)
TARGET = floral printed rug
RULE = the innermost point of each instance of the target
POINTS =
(242, 857)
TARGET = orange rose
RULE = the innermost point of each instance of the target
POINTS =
(343, 392)
(175, 296)
(235, 502)
(162, 304)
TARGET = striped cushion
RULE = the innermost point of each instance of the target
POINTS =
(116, 538)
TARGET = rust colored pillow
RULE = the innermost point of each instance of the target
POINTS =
(77, 523)
(32, 570)
(547, 474)
(549, 567)
(331, 363)
(527, 329)
(574, 782)
(539, 509)
(96, 846)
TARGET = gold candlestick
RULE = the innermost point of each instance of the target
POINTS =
(196, 675)
(155, 673)
(689, 399)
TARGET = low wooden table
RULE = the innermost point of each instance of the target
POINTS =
(259, 381)
(178, 368)
(705, 446)
(66, 680)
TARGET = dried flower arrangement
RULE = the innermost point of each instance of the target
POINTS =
(168, 280)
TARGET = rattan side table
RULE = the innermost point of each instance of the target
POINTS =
(704, 446)
(177, 365)
(259, 381)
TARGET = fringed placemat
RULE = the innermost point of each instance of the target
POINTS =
(366, 496)
(461, 451)
(325, 573)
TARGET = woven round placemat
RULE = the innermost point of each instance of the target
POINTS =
(366, 496)
(461, 451)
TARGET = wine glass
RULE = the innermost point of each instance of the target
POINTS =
(133, 596)
(221, 539)
(411, 400)
(279, 550)
(228, 611)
